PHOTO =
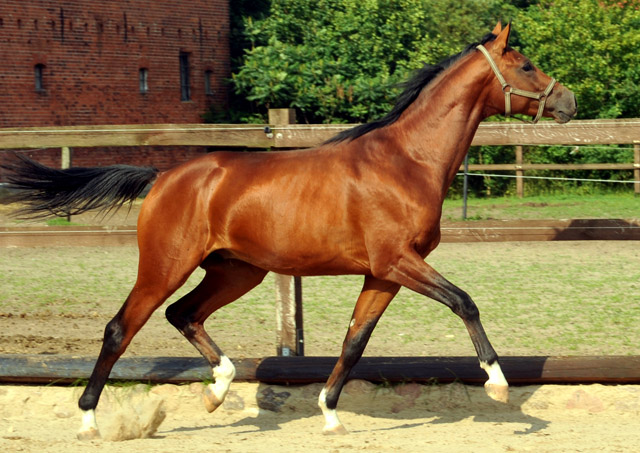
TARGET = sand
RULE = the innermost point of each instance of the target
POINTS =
(258, 417)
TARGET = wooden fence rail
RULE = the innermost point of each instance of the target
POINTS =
(278, 136)
(579, 132)
(476, 231)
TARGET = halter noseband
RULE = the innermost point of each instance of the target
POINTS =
(540, 97)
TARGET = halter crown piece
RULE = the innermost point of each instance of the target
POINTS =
(508, 90)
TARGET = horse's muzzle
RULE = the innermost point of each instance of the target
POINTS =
(562, 105)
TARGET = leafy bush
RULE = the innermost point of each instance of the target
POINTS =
(341, 61)
(592, 47)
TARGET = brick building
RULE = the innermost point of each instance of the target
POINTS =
(82, 62)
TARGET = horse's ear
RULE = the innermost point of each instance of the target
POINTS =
(497, 29)
(502, 41)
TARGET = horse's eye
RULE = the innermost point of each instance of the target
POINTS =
(527, 67)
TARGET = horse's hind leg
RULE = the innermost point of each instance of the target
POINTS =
(373, 300)
(154, 285)
(224, 282)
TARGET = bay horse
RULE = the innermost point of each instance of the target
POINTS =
(366, 202)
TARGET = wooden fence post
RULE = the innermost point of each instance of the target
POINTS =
(289, 320)
(65, 162)
(636, 170)
(519, 173)
(65, 157)
(282, 117)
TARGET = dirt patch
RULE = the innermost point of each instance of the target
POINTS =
(536, 298)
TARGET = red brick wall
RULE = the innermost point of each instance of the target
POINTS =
(92, 53)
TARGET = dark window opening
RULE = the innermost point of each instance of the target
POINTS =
(208, 75)
(143, 78)
(185, 83)
(39, 77)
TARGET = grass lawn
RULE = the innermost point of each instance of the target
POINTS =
(535, 298)
(603, 206)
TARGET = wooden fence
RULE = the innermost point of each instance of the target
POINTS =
(280, 134)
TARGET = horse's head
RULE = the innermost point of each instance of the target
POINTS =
(519, 87)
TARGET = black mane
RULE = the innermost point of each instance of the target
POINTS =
(412, 88)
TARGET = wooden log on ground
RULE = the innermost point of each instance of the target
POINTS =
(541, 230)
(17, 368)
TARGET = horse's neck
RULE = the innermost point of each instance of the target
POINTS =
(439, 126)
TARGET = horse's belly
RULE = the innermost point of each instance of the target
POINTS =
(303, 257)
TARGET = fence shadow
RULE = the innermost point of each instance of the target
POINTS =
(599, 229)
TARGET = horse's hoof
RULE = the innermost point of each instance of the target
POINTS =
(90, 434)
(338, 430)
(211, 401)
(497, 392)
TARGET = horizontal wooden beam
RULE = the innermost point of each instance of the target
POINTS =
(263, 136)
(563, 167)
(579, 132)
(219, 135)
(304, 370)
(469, 231)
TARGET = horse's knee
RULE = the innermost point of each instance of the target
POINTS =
(463, 306)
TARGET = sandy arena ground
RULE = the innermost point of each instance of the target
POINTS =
(261, 418)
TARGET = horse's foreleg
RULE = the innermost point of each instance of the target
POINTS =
(224, 282)
(372, 302)
(412, 272)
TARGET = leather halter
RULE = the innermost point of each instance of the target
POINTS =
(508, 90)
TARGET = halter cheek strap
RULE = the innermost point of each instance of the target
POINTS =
(508, 90)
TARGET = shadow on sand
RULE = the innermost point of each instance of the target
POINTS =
(406, 406)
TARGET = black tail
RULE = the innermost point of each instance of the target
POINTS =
(49, 192)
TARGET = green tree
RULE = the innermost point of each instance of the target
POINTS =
(591, 46)
(341, 60)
